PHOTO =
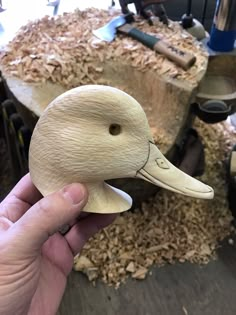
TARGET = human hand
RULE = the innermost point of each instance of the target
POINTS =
(35, 259)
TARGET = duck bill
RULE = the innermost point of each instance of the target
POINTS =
(159, 171)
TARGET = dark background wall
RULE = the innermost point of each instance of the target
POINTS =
(176, 8)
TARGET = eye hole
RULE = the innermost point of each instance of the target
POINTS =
(115, 129)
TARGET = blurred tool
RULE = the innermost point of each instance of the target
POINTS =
(1, 8)
(146, 8)
(191, 25)
(204, 11)
(55, 4)
(223, 32)
(231, 174)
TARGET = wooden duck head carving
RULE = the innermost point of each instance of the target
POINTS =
(95, 133)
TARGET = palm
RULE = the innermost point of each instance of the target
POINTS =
(55, 264)
(50, 268)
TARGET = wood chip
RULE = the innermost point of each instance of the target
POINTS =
(131, 268)
(157, 248)
(92, 273)
(140, 274)
(82, 262)
(190, 254)
(126, 256)
(205, 250)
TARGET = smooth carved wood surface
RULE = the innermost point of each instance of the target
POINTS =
(105, 135)
(165, 103)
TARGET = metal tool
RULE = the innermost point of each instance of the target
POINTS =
(192, 25)
(146, 8)
(223, 32)
(120, 23)
(55, 4)
(108, 31)
(1, 8)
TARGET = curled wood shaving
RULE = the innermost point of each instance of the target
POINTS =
(184, 310)
(64, 50)
(169, 227)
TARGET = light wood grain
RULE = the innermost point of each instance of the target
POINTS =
(95, 133)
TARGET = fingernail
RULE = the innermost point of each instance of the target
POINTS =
(75, 192)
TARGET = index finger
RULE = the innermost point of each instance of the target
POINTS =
(25, 191)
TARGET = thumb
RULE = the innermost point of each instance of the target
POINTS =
(46, 217)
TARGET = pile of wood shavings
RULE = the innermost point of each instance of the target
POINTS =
(168, 228)
(64, 50)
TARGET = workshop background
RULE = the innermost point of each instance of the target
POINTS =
(196, 274)
(17, 13)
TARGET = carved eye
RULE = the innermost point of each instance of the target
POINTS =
(115, 129)
(162, 164)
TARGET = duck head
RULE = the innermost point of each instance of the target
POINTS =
(95, 133)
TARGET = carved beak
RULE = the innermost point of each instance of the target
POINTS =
(159, 171)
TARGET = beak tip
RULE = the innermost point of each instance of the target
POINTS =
(206, 192)
(211, 193)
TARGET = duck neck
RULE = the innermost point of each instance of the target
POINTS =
(104, 198)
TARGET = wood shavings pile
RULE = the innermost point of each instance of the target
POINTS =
(63, 50)
(168, 228)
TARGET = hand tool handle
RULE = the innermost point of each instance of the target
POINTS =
(182, 58)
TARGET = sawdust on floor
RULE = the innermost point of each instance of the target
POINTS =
(168, 228)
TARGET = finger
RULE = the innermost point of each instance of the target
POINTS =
(13, 208)
(48, 215)
(65, 228)
(85, 228)
(25, 191)
(63, 256)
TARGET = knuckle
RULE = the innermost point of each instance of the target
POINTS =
(44, 207)
(4, 223)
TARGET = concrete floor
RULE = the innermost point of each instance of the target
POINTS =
(180, 289)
